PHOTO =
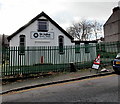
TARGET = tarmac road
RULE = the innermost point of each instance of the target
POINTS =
(98, 89)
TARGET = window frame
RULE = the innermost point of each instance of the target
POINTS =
(22, 45)
(39, 25)
(61, 44)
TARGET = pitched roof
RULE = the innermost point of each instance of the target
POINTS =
(34, 19)
(115, 16)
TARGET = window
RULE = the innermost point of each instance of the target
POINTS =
(22, 44)
(87, 48)
(61, 44)
(77, 47)
(43, 25)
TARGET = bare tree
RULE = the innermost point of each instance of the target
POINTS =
(80, 30)
(84, 29)
(97, 28)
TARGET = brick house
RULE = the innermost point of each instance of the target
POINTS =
(112, 26)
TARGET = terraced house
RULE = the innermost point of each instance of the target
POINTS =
(112, 29)
(112, 26)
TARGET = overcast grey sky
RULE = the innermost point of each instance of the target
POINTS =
(16, 13)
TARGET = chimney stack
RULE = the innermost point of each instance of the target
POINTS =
(117, 8)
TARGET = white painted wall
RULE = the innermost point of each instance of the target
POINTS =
(40, 42)
(52, 56)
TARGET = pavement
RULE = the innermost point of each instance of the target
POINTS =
(52, 79)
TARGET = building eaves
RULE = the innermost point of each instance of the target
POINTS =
(34, 19)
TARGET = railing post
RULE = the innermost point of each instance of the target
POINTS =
(118, 46)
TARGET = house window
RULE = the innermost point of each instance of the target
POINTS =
(22, 44)
(61, 44)
(87, 48)
(43, 25)
(77, 47)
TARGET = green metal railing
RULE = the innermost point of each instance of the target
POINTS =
(108, 51)
(18, 60)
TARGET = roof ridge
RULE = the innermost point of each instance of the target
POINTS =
(34, 19)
